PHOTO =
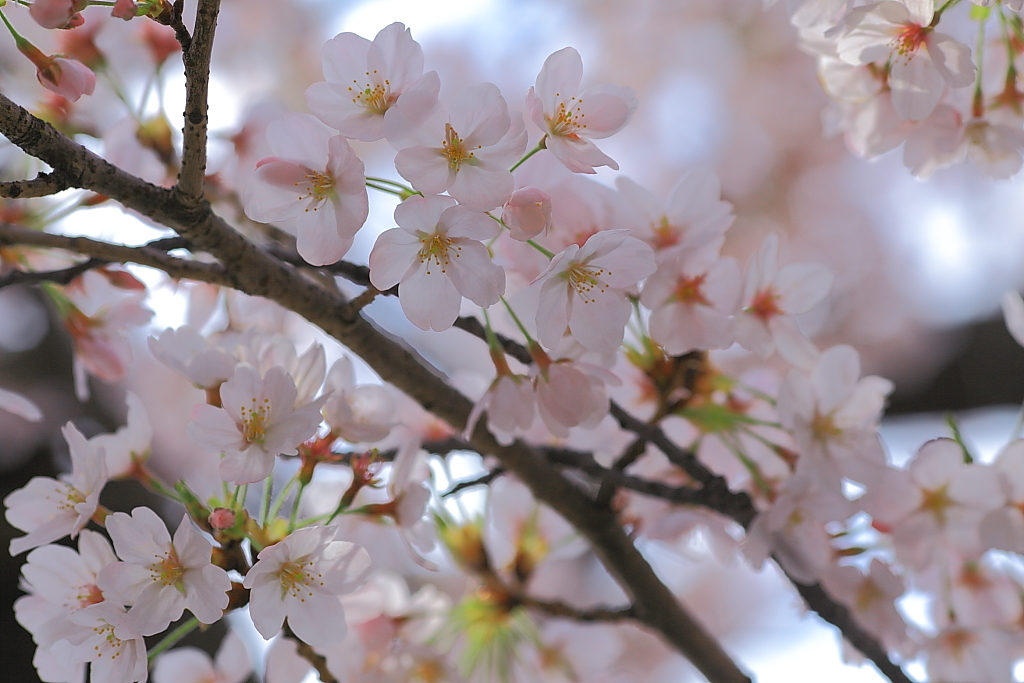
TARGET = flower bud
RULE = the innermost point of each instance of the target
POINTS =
(527, 213)
(222, 518)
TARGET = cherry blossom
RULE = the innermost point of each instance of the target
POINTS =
(161, 577)
(50, 509)
(435, 257)
(571, 122)
(129, 444)
(299, 578)
(922, 61)
(365, 80)
(361, 413)
(258, 422)
(468, 153)
(527, 213)
(58, 13)
(192, 665)
(316, 180)
(570, 393)
(116, 653)
(771, 297)
(191, 354)
(583, 289)
(510, 406)
(16, 404)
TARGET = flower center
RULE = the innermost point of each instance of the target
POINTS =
(296, 577)
(585, 280)
(373, 96)
(89, 594)
(453, 148)
(167, 569)
(765, 304)
(568, 119)
(690, 290)
(665, 234)
(254, 422)
(936, 502)
(437, 248)
(909, 39)
(319, 186)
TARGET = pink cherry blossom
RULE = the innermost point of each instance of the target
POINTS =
(364, 81)
(129, 444)
(467, 153)
(571, 122)
(116, 652)
(509, 402)
(69, 78)
(258, 422)
(922, 61)
(50, 509)
(299, 578)
(583, 289)
(161, 577)
(57, 13)
(194, 356)
(361, 413)
(571, 393)
(315, 180)
(436, 257)
(124, 9)
(771, 297)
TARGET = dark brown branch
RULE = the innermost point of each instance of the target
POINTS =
(181, 33)
(565, 611)
(43, 185)
(628, 457)
(654, 434)
(482, 480)
(153, 255)
(197, 84)
(253, 271)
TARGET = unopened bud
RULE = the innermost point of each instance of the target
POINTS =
(222, 518)
(527, 213)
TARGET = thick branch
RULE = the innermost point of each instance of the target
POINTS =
(43, 185)
(197, 84)
(255, 272)
(101, 253)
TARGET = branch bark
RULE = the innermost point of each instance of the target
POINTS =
(197, 84)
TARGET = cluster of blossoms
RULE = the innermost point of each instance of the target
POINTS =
(895, 78)
(586, 294)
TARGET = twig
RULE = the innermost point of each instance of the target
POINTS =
(510, 346)
(653, 433)
(180, 30)
(197, 85)
(632, 452)
(43, 185)
(482, 480)
(153, 255)
(561, 609)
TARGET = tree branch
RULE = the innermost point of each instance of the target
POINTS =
(43, 185)
(253, 271)
(153, 255)
(197, 83)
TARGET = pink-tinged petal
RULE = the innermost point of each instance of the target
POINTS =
(528, 213)
(207, 593)
(282, 173)
(480, 115)
(192, 548)
(920, 11)
(332, 105)
(395, 253)
(139, 536)
(509, 149)
(607, 108)
(475, 276)
(20, 406)
(319, 239)
(631, 261)
(421, 214)
(237, 392)
(937, 463)
(1013, 313)
(288, 432)
(300, 137)
(429, 299)
(462, 221)
(560, 77)
(835, 376)
(598, 323)
(553, 311)
(344, 57)
(802, 285)
(155, 608)
(265, 605)
(320, 622)
(481, 189)
(952, 59)
(232, 659)
(417, 118)
(278, 388)
(753, 335)
(395, 53)
(246, 467)
(791, 342)
(123, 582)
(579, 155)
(346, 167)
(183, 665)
(724, 284)
(213, 428)
(349, 565)
(916, 86)
(426, 168)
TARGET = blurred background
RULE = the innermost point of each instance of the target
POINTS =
(920, 266)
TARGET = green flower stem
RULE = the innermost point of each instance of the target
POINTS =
(268, 487)
(172, 638)
(518, 322)
(293, 518)
(539, 147)
(280, 497)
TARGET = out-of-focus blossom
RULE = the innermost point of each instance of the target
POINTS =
(130, 443)
(192, 665)
(20, 406)
(361, 413)
(527, 213)
(58, 13)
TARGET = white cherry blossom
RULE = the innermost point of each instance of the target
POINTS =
(50, 509)
(116, 653)
(436, 257)
(299, 578)
(316, 180)
(257, 423)
(364, 80)
(571, 122)
(161, 577)
(583, 290)
(192, 665)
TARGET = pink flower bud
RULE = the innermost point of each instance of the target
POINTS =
(124, 9)
(222, 518)
(66, 77)
(527, 213)
(57, 13)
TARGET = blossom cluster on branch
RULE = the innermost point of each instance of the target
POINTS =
(640, 387)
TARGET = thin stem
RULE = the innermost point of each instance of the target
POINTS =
(172, 638)
(539, 147)
(406, 188)
(280, 497)
(268, 487)
(516, 320)
(978, 102)
(938, 13)
(398, 193)
(293, 517)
